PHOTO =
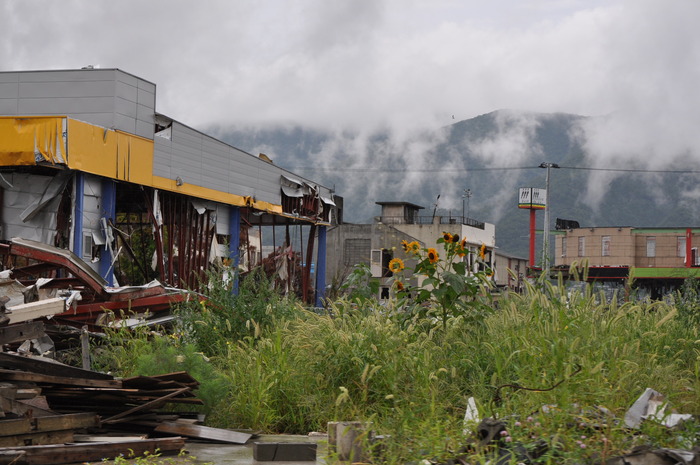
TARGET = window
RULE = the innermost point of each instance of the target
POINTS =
(651, 246)
(605, 246)
(563, 246)
(681, 246)
(581, 246)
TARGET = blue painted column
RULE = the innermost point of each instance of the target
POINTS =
(78, 214)
(108, 212)
(321, 267)
(234, 230)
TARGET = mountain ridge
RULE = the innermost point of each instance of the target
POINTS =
(493, 155)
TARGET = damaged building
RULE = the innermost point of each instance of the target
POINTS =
(92, 176)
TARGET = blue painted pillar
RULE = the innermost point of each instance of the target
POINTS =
(234, 230)
(108, 211)
(321, 267)
(78, 214)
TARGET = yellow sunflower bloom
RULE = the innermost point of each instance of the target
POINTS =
(433, 255)
(399, 286)
(405, 245)
(396, 265)
(482, 252)
(463, 243)
(447, 236)
(414, 247)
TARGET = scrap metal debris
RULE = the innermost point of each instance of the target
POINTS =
(75, 294)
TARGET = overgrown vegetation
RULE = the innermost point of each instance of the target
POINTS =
(274, 366)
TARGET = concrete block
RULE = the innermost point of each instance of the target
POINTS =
(284, 451)
(345, 439)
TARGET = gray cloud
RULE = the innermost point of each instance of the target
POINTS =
(400, 65)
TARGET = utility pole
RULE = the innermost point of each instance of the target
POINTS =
(545, 235)
(466, 195)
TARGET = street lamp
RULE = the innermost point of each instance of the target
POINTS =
(466, 195)
(545, 235)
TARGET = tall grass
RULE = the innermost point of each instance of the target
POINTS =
(411, 379)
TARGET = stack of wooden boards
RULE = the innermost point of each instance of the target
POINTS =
(46, 408)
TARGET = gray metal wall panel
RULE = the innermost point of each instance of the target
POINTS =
(54, 89)
(146, 97)
(9, 77)
(68, 75)
(126, 91)
(8, 106)
(124, 123)
(66, 106)
(125, 108)
(145, 129)
(86, 95)
(145, 114)
(126, 78)
(9, 90)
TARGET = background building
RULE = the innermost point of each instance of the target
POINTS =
(376, 244)
(659, 259)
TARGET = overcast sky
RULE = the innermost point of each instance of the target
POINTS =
(371, 62)
(399, 64)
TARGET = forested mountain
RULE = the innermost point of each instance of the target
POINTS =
(492, 155)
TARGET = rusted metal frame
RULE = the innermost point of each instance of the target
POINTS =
(288, 259)
(61, 261)
(301, 253)
(194, 249)
(153, 303)
(191, 227)
(274, 226)
(158, 236)
(181, 243)
(209, 235)
(309, 258)
(171, 239)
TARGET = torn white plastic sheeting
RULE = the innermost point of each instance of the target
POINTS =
(471, 415)
(652, 405)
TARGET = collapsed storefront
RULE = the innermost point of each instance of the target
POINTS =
(88, 166)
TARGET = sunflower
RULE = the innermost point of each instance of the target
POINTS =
(482, 252)
(399, 286)
(413, 247)
(463, 243)
(447, 237)
(396, 265)
(433, 255)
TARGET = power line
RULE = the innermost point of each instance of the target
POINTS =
(502, 168)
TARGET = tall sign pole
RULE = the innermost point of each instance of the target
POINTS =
(533, 199)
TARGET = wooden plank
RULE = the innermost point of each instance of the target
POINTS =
(149, 405)
(36, 439)
(204, 432)
(12, 457)
(45, 366)
(38, 309)
(16, 426)
(22, 408)
(96, 452)
(68, 421)
(21, 332)
(48, 379)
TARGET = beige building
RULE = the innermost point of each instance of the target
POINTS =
(629, 247)
(658, 259)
